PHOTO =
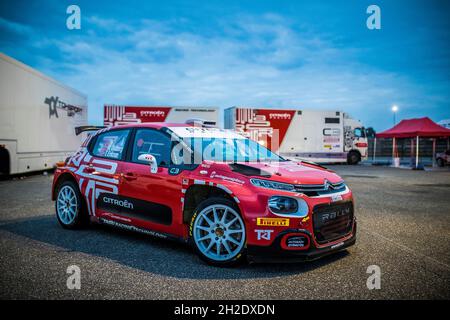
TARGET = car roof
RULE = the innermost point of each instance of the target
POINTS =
(154, 125)
(204, 133)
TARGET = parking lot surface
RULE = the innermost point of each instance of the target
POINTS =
(404, 228)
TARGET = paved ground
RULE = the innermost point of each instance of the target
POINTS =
(404, 228)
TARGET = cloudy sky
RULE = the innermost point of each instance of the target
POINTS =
(305, 54)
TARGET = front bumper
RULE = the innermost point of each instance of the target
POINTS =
(276, 253)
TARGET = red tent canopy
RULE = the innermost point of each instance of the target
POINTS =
(422, 127)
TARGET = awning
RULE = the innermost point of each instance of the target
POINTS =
(411, 128)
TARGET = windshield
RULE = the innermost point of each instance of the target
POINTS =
(224, 149)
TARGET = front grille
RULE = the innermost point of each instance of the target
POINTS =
(332, 221)
(314, 190)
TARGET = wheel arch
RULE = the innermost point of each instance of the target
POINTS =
(196, 193)
(5, 161)
(354, 151)
(63, 177)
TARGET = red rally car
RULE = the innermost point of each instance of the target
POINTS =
(229, 196)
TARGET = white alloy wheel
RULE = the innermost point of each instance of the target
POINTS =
(219, 232)
(67, 205)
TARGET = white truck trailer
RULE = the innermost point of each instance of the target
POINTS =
(313, 135)
(37, 119)
(115, 115)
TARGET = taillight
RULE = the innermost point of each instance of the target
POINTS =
(64, 163)
(60, 164)
(361, 144)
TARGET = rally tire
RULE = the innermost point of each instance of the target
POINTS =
(218, 250)
(69, 207)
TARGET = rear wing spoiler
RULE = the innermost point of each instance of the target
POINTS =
(81, 129)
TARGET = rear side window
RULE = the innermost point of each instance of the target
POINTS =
(111, 144)
(152, 142)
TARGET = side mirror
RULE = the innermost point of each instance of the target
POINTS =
(151, 160)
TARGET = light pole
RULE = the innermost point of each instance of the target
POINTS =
(394, 110)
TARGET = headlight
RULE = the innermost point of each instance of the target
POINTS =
(272, 184)
(288, 206)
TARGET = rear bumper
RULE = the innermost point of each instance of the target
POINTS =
(275, 252)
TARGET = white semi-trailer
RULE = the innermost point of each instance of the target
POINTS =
(37, 119)
(314, 135)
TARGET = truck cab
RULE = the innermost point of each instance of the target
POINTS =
(355, 140)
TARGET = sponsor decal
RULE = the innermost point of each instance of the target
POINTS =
(54, 103)
(296, 242)
(120, 115)
(132, 228)
(331, 139)
(305, 219)
(214, 175)
(152, 113)
(120, 203)
(285, 116)
(263, 234)
(135, 208)
(340, 244)
(332, 132)
(272, 222)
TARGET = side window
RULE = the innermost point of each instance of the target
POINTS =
(152, 142)
(111, 144)
(359, 132)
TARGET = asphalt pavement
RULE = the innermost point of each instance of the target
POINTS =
(404, 229)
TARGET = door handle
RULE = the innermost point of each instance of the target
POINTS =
(129, 176)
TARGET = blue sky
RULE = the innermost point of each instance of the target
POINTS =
(306, 54)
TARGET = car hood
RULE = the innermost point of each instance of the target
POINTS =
(287, 171)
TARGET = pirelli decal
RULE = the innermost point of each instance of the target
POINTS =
(272, 222)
